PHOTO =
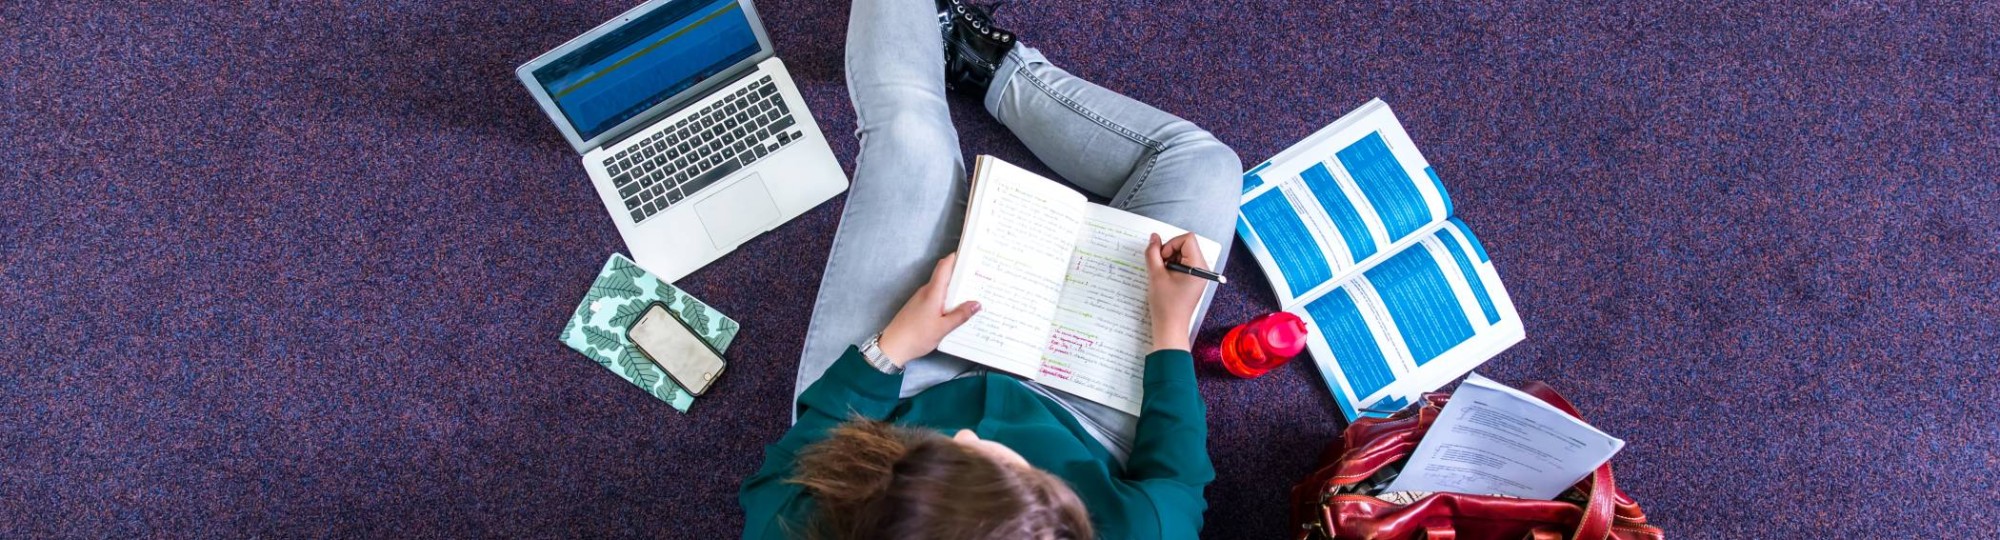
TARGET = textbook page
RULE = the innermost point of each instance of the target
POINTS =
(1495, 440)
(1410, 323)
(1103, 329)
(1355, 192)
(1019, 232)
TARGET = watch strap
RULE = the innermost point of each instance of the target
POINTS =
(871, 351)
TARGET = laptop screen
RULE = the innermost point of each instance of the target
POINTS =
(646, 61)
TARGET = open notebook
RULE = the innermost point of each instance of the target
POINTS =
(1061, 283)
(1356, 234)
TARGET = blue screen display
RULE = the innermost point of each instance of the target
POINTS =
(620, 74)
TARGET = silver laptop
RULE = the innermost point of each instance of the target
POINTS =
(691, 129)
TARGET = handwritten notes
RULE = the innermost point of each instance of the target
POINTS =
(1063, 285)
(1017, 240)
(1102, 332)
(1103, 329)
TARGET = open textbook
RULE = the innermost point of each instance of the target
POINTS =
(1356, 234)
(1061, 284)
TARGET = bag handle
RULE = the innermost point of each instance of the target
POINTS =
(1603, 490)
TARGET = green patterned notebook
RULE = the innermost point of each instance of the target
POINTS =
(622, 291)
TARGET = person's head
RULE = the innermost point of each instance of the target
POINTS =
(875, 480)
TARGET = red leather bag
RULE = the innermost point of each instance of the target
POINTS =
(1322, 510)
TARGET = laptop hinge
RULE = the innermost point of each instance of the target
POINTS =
(642, 126)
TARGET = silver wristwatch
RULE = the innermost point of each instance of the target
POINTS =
(872, 351)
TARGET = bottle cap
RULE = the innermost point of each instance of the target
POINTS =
(1284, 335)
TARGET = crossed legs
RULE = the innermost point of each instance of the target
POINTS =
(907, 200)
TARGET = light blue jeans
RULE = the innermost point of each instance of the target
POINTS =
(908, 196)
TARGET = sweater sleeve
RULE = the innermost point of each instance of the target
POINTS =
(1169, 461)
(775, 508)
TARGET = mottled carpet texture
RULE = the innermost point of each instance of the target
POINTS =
(298, 270)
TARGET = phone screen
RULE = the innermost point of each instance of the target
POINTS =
(669, 343)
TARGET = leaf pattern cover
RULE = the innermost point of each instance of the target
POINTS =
(622, 291)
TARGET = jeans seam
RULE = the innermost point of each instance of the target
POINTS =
(1140, 183)
(1078, 108)
(813, 330)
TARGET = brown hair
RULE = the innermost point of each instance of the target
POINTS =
(875, 480)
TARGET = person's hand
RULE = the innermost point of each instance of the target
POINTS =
(1172, 296)
(923, 321)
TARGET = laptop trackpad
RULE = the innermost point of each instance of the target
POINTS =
(737, 212)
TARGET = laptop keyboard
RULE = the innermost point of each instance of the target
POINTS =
(679, 160)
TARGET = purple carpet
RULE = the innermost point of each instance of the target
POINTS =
(299, 271)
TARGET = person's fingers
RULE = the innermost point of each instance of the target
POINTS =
(933, 292)
(941, 274)
(1153, 260)
(1171, 250)
(958, 315)
(1189, 251)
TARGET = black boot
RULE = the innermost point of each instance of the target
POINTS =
(973, 47)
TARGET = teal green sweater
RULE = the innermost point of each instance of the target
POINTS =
(1156, 494)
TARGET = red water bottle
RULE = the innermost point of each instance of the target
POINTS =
(1265, 342)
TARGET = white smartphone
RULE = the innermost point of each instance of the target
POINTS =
(671, 344)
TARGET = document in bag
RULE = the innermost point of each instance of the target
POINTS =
(1061, 284)
(1357, 235)
(1494, 440)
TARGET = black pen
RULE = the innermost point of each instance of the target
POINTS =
(1197, 272)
